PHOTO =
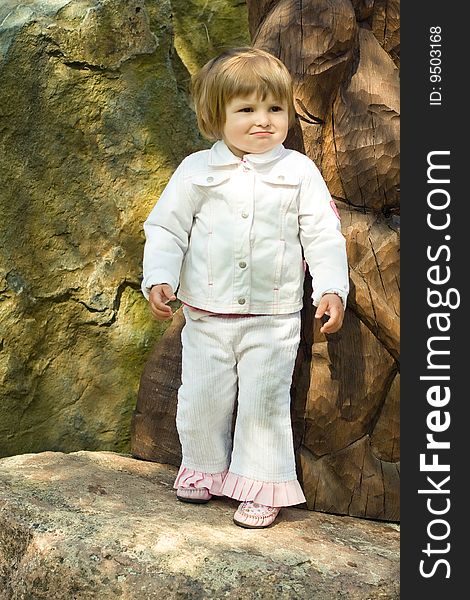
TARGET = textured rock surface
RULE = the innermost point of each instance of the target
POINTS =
(204, 29)
(94, 118)
(102, 525)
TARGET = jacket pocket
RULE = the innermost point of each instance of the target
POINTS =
(281, 179)
(209, 179)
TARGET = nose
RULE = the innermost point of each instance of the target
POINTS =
(262, 119)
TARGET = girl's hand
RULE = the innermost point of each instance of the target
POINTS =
(332, 305)
(159, 296)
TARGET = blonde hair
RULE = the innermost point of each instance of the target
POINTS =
(238, 72)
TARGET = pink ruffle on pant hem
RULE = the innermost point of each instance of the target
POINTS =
(196, 479)
(284, 493)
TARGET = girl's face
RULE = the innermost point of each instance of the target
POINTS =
(253, 125)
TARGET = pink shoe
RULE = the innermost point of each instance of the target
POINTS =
(254, 516)
(195, 495)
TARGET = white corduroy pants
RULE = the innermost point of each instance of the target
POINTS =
(250, 358)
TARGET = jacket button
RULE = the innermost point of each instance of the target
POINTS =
(242, 264)
(241, 300)
(281, 177)
(244, 214)
(210, 179)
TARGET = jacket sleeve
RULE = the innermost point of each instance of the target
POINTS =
(321, 238)
(167, 231)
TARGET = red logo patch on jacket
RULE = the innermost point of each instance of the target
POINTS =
(335, 209)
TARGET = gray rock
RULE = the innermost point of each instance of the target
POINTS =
(106, 526)
(14, 15)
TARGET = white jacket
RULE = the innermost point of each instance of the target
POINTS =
(227, 233)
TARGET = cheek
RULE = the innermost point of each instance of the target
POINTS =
(234, 126)
(284, 127)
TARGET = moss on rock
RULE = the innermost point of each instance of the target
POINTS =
(204, 29)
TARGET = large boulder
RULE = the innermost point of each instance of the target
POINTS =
(94, 118)
(103, 525)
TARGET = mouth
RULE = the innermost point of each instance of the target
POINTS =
(261, 133)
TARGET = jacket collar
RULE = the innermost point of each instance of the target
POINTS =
(221, 155)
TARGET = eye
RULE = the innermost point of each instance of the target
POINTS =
(276, 108)
(245, 109)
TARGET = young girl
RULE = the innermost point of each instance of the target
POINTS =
(227, 237)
